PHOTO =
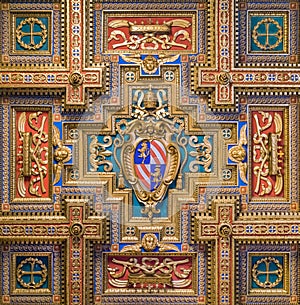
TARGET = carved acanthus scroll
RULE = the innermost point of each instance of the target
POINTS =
(202, 154)
(99, 153)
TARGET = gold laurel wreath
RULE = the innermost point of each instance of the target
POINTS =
(279, 34)
(43, 33)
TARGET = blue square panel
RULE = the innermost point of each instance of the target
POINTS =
(268, 33)
(267, 272)
(32, 33)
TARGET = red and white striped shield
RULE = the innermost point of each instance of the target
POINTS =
(150, 158)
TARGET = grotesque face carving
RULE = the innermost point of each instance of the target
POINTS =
(150, 64)
(149, 242)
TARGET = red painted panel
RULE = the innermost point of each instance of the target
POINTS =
(145, 271)
(145, 33)
(32, 161)
(267, 154)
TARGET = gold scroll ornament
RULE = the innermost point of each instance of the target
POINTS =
(153, 35)
(150, 271)
(99, 153)
(34, 157)
(203, 154)
(268, 154)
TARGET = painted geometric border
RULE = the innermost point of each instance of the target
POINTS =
(204, 10)
(55, 56)
(244, 58)
(54, 251)
(96, 254)
(290, 253)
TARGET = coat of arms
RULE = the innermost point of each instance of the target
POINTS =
(150, 159)
(150, 149)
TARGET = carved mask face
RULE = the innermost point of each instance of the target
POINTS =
(60, 154)
(237, 154)
(149, 242)
(150, 64)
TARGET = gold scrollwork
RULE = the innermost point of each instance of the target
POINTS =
(150, 271)
(268, 154)
(149, 40)
(32, 273)
(32, 152)
(31, 21)
(238, 154)
(62, 154)
(98, 153)
(202, 154)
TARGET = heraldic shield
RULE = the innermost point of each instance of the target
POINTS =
(150, 161)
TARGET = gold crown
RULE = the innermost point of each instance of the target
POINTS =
(150, 100)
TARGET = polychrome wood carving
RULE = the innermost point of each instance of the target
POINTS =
(149, 152)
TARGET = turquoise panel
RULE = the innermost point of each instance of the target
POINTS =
(267, 272)
(32, 271)
(267, 33)
(31, 34)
